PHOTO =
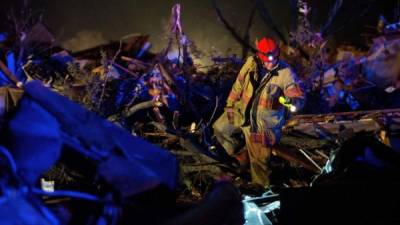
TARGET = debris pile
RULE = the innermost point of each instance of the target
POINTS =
(72, 126)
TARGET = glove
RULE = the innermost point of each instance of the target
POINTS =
(230, 114)
(287, 102)
(284, 100)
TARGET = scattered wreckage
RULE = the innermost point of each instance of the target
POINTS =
(75, 167)
(75, 158)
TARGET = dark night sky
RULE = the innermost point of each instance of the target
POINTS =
(92, 21)
(113, 19)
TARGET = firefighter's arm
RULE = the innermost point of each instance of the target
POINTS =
(294, 95)
(237, 87)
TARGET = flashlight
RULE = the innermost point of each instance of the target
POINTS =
(286, 102)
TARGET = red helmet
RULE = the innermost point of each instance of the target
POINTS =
(268, 49)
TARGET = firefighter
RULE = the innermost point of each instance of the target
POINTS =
(256, 107)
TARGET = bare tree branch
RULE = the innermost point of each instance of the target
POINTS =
(245, 49)
(294, 13)
(351, 19)
(332, 14)
(244, 42)
(232, 30)
(268, 20)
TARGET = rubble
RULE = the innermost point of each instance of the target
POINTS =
(54, 107)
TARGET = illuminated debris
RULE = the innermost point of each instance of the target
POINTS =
(35, 139)
(262, 210)
(360, 188)
(54, 120)
(17, 208)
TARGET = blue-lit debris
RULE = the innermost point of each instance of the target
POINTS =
(102, 137)
(34, 140)
(46, 125)
(254, 215)
(18, 208)
(46, 120)
(261, 210)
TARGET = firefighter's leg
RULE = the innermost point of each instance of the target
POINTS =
(259, 156)
(224, 131)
